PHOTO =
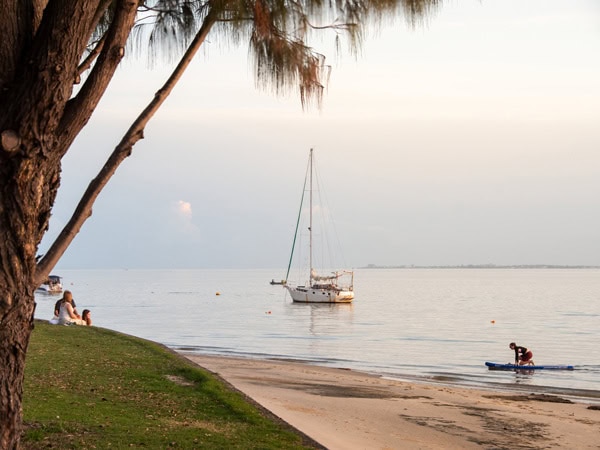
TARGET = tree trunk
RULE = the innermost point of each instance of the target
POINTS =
(15, 331)
(23, 211)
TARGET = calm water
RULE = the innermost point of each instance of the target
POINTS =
(423, 324)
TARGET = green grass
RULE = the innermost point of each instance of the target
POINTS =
(88, 387)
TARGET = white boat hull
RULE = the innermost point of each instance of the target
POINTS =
(303, 294)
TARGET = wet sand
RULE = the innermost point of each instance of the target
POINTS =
(345, 409)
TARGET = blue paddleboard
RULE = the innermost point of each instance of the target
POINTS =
(498, 366)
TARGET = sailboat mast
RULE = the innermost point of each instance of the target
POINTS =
(310, 247)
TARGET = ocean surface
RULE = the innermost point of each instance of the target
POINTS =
(429, 325)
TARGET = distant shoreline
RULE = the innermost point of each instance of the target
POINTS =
(483, 266)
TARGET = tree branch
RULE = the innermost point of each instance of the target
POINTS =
(91, 57)
(121, 151)
(87, 62)
(79, 109)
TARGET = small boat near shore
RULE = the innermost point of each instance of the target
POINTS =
(333, 287)
(52, 285)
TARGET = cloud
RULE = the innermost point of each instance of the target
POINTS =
(185, 209)
(183, 222)
(183, 219)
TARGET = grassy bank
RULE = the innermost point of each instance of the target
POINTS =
(88, 387)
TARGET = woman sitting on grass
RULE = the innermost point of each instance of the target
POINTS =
(67, 314)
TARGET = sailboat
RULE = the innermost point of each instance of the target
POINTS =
(333, 287)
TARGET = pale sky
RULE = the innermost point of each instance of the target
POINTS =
(474, 139)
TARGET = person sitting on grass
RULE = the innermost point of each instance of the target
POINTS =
(522, 355)
(61, 301)
(85, 315)
(67, 315)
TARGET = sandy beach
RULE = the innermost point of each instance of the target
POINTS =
(345, 409)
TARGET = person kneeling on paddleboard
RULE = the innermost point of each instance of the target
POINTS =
(522, 355)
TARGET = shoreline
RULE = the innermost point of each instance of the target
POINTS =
(452, 380)
(347, 409)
